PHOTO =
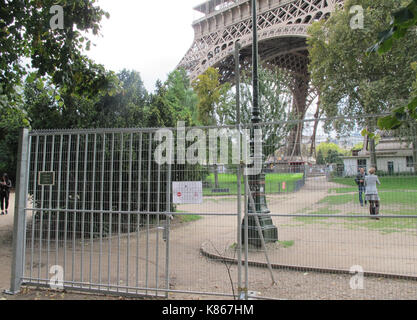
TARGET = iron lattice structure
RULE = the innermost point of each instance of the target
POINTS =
(282, 32)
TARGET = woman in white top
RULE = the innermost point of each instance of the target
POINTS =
(371, 193)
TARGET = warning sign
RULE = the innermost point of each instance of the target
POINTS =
(187, 192)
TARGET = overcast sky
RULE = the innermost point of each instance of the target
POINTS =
(147, 36)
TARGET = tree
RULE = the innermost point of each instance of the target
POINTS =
(210, 94)
(52, 107)
(26, 33)
(275, 100)
(402, 119)
(11, 121)
(330, 151)
(351, 82)
(125, 107)
(334, 157)
(320, 159)
(209, 91)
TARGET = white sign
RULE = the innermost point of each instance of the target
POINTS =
(187, 192)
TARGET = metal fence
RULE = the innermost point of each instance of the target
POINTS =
(95, 209)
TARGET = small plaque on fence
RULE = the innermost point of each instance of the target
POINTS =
(187, 192)
(46, 178)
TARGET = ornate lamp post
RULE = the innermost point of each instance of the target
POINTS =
(257, 182)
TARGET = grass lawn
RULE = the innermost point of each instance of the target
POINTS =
(398, 197)
(387, 183)
(273, 183)
(408, 198)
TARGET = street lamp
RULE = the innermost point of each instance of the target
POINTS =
(257, 182)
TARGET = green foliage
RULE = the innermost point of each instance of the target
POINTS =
(275, 102)
(320, 158)
(402, 20)
(57, 54)
(329, 153)
(210, 94)
(350, 81)
(173, 101)
(358, 146)
(11, 121)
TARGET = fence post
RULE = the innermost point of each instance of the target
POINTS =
(20, 214)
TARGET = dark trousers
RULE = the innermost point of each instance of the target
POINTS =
(374, 208)
(4, 197)
(361, 194)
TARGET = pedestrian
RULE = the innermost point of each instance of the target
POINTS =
(372, 193)
(5, 186)
(360, 181)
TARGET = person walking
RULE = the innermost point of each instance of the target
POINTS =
(5, 186)
(371, 193)
(360, 181)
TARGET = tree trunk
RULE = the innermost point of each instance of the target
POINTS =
(372, 144)
(372, 151)
(216, 177)
(313, 150)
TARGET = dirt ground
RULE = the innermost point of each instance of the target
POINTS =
(327, 243)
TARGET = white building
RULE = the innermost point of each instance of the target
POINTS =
(393, 156)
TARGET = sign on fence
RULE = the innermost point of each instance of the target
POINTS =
(46, 178)
(187, 192)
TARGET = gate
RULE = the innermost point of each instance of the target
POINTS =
(96, 210)
(91, 213)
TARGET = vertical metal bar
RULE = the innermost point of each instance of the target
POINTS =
(20, 213)
(35, 179)
(58, 201)
(84, 206)
(239, 172)
(26, 204)
(128, 209)
(138, 215)
(42, 207)
(158, 200)
(101, 206)
(119, 231)
(167, 226)
(67, 203)
(74, 217)
(246, 235)
(110, 209)
(50, 207)
(148, 210)
(93, 190)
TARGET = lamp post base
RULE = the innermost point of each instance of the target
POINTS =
(269, 231)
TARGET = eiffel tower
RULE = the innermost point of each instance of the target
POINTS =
(282, 32)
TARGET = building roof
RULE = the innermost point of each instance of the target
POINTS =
(387, 147)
